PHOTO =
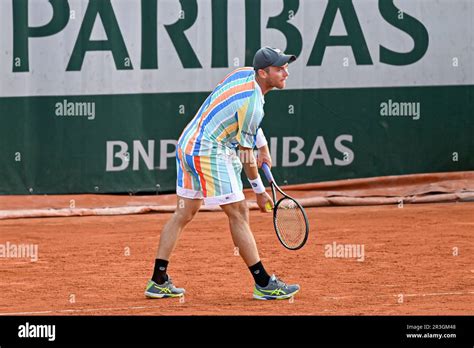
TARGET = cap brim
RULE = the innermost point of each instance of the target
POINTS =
(284, 59)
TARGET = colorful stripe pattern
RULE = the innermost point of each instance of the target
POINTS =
(230, 115)
(214, 176)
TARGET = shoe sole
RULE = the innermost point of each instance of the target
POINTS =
(282, 297)
(152, 295)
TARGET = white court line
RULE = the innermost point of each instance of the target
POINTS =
(101, 309)
(404, 295)
(441, 294)
(84, 310)
(326, 311)
(81, 310)
(26, 313)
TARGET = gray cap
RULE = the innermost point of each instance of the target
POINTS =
(269, 56)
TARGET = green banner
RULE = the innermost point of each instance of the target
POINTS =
(95, 93)
(126, 143)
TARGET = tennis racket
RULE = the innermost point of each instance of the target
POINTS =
(289, 218)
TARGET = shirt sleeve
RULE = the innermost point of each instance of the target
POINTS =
(249, 118)
(260, 141)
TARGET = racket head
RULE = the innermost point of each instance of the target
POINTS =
(291, 223)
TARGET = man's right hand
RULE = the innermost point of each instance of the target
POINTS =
(262, 199)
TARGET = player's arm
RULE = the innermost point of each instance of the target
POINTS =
(248, 124)
(263, 155)
(249, 163)
(247, 135)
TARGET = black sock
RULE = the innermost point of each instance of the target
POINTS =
(259, 274)
(159, 274)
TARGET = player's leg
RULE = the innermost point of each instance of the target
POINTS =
(226, 190)
(266, 287)
(185, 211)
(189, 192)
(188, 203)
(238, 215)
(219, 176)
(161, 285)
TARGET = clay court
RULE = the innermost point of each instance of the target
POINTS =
(418, 260)
(362, 109)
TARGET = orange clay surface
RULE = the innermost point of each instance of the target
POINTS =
(418, 260)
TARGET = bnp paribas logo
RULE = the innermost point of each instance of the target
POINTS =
(67, 108)
(392, 108)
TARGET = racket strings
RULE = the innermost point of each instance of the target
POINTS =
(290, 223)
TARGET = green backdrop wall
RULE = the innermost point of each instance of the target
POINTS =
(94, 94)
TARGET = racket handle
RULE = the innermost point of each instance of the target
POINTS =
(268, 173)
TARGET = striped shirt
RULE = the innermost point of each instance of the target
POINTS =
(230, 115)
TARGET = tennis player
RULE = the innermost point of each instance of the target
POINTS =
(209, 169)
